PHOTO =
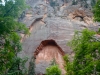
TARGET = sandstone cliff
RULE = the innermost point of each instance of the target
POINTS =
(55, 20)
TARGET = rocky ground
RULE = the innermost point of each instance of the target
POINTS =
(59, 24)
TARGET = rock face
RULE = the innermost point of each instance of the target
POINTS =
(46, 53)
(84, 3)
(57, 22)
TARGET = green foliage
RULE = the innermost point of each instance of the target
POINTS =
(12, 8)
(10, 42)
(32, 67)
(82, 2)
(85, 4)
(68, 66)
(10, 45)
(93, 2)
(96, 11)
(74, 2)
(16, 68)
(98, 32)
(53, 62)
(10, 26)
(53, 70)
(87, 54)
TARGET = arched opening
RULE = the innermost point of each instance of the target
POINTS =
(47, 43)
(45, 53)
(80, 18)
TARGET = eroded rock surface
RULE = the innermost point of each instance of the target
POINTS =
(47, 53)
(57, 23)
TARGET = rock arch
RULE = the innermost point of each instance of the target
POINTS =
(45, 53)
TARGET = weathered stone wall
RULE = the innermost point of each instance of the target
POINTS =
(55, 24)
